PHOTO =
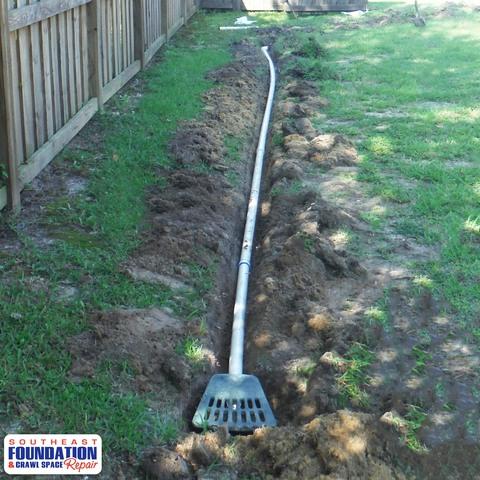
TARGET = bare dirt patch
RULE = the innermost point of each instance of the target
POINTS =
(147, 338)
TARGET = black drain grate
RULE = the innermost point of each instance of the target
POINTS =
(237, 401)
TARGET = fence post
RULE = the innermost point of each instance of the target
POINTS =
(139, 29)
(165, 4)
(94, 51)
(7, 139)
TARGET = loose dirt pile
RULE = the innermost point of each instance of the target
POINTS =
(145, 337)
(339, 445)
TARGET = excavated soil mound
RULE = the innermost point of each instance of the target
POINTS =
(290, 322)
(146, 338)
(337, 446)
(231, 109)
(191, 220)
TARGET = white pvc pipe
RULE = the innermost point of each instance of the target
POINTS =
(239, 27)
(240, 310)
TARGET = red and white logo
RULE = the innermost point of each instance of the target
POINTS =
(52, 454)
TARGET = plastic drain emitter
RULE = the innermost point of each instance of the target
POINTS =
(236, 400)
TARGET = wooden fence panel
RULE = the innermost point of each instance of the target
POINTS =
(50, 69)
(156, 32)
(117, 44)
(8, 157)
(175, 15)
(191, 8)
(65, 58)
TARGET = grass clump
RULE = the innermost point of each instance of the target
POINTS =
(414, 419)
(311, 48)
(192, 349)
(409, 425)
(306, 370)
(308, 242)
(354, 379)
(311, 69)
(472, 225)
(421, 358)
(165, 428)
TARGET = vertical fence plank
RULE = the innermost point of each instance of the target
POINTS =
(71, 63)
(47, 77)
(7, 122)
(38, 84)
(95, 62)
(102, 10)
(16, 92)
(124, 36)
(84, 60)
(55, 59)
(165, 18)
(114, 52)
(26, 83)
(129, 32)
(146, 23)
(77, 48)
(139, 29)
(109, 46)
(62, 42)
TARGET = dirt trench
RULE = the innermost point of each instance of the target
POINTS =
(310, 292)
(290, 322)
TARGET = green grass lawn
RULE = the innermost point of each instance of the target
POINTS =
(95, 233)
(411, 98)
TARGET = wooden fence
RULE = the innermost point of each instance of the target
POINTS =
(60, 60)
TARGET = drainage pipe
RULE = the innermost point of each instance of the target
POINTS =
(240, 310)
(239, 27)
